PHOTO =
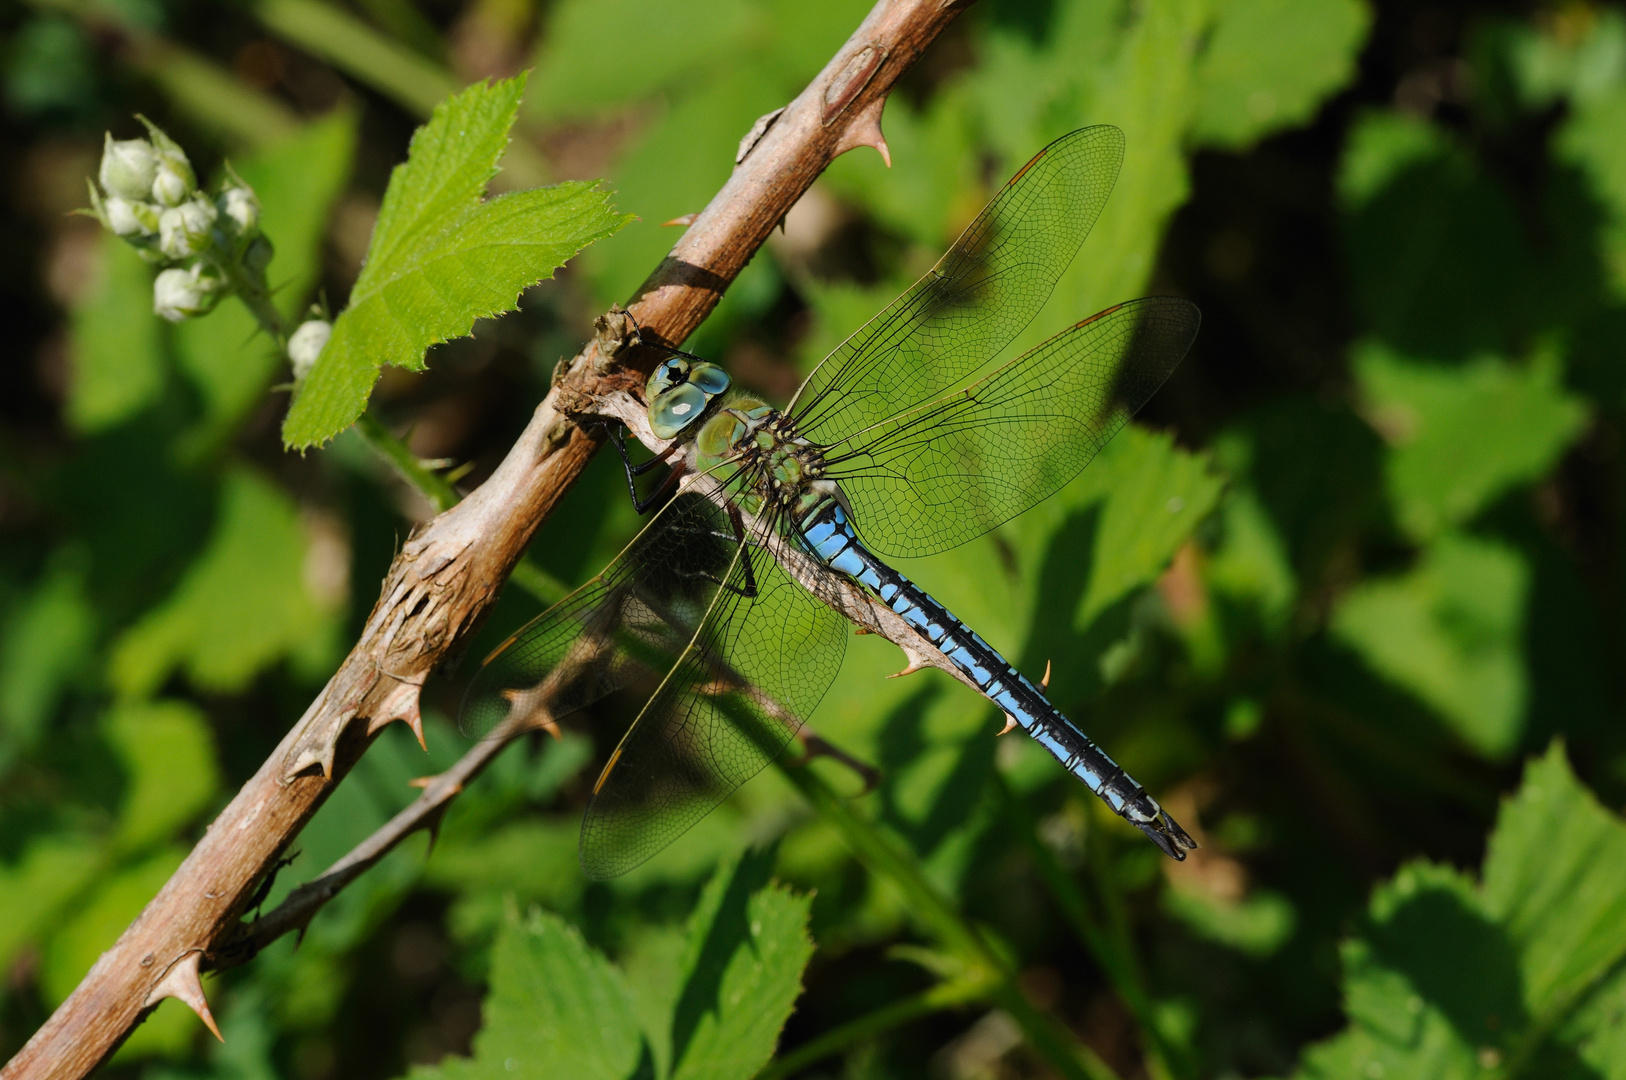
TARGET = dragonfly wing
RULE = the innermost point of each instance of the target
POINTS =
(950, 470)
(625, 624)
(757, 661)
(978, 297)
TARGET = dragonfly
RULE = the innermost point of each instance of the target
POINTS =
(909, 439)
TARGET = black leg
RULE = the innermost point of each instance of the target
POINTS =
(619, 440)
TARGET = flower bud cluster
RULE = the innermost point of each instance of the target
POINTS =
(209, 245)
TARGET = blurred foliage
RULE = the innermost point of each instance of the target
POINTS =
(1348, 599)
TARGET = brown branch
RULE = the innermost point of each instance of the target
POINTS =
(449, 572)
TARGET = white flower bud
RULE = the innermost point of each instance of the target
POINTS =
(171, 186)
(128, 168)
(128, 217)
(307, 344)
(183, 230)
(239, 205)
(178, 294)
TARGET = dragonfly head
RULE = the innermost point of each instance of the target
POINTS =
(678, 392)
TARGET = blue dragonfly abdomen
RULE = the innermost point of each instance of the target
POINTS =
(829, 536)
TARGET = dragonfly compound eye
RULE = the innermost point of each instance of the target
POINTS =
(677, 408)
(667, 374)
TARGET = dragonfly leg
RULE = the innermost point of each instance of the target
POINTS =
(619, 439)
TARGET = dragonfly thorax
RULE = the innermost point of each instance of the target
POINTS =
(784, 471)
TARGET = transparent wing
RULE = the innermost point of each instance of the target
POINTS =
(758, 661)
(634, 619)
(979, 296)
(947, 471)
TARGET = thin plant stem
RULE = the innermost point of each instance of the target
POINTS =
(969, 952)
(943, 996)
(1110, 951)
(428, 483)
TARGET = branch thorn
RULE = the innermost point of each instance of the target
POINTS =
(914, 666)
(1010, 722)
(865, 130)
(182, 983)
(683, 220)
(1044, 683)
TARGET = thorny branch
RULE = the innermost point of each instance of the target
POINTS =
(449, 572)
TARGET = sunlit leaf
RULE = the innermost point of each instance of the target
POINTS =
(170, 773)
(557, 1007)
(44, 640)
(713, 1007)
(573, 81)
(441, 257)
(39, 883)
(1268, 64)
(1447, 978)
(741, 972)
(118, 367)
(248, 600)
(1450, 632)
(1460, 436)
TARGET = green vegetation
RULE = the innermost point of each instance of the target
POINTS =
(1347, 599)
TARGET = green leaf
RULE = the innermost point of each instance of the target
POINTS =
(1590, 139)
(1154, 495)
(572, 81)
(441, 257)
(45, 642)
(34, 889)
(557, 1007)
(1269, 64)
(118, 369)
(298, 180)
(1450, 979)
(169, 763)
(708, 1003)
(741, 973)
(1461, 435)
(1450, 632)
(247, 601)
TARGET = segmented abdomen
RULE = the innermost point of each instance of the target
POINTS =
(830, 537)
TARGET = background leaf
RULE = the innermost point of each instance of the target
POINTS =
(1448, 978)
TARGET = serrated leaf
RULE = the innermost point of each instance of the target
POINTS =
(1450, 632)
(440, 257)
(117, 366)
(246, 602)
(297, 181)
(713, 997)
(741, 973)
(169, 763)
(1452, 979)
(1555, 879)
(1268, 64)
(557, 1008)
(1461, 435)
